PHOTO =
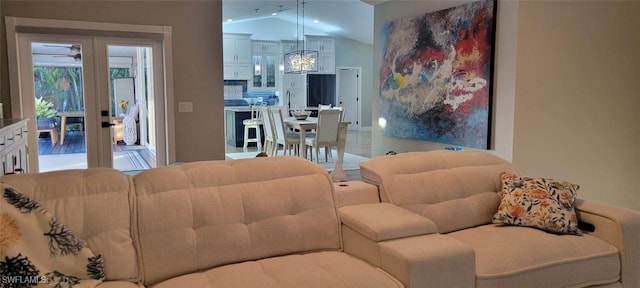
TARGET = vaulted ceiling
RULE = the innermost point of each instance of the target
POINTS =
(346, 18)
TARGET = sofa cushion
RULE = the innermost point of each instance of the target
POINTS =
(321, 269)
(538, 202)
(512, 256)
(205, 214)
(94, 205)
(454, 189)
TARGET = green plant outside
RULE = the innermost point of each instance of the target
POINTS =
(44, 108)
(62, 87)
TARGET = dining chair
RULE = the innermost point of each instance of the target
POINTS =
(283, 109)
(339, 108)
(254, 123)
(322, 106)
(283, 137)
(326, 133)
(269, 133)
(342, 111)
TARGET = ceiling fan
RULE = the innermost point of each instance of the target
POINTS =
(281, 8)
(75, 48)
(76, 57)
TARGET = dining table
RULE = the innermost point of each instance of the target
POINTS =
(311, 123)
(63, 122)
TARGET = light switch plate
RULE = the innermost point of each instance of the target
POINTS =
(185, 106)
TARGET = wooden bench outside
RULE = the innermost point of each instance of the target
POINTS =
(53, 132)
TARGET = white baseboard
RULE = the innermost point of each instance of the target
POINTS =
(366, 129)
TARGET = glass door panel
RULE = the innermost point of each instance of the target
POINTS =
(69, 80)
(59, 103)
(133, 130)
(257, 71)
(270, 71)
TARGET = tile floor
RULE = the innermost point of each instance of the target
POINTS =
(358, 143)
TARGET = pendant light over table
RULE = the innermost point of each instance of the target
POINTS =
(300, 61)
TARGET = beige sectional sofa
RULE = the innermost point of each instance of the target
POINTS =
(281, 222)
(263, 222)
(458, 192)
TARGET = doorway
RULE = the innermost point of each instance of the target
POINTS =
(349, 87)
(89, 107)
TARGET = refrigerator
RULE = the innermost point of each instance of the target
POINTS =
(321, 89)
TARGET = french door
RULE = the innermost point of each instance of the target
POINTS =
(111, 88)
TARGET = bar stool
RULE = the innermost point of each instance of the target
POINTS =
(253, 123)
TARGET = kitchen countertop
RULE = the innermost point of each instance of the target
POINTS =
(248, 108)
(237, 108)
(9, 121)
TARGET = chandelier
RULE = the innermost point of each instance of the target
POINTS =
(300, 61)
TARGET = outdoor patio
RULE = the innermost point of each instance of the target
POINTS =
(72, 155)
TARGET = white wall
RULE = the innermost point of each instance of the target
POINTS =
(578, 100)
(351, 53)
(566, 98)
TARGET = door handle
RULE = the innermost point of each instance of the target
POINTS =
(105, 124)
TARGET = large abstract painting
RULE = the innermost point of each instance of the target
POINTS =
(436, 76)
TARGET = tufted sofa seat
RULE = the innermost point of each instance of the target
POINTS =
(458, 192)
(212, 224)
(227, 220)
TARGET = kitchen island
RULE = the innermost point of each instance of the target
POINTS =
(233, 127)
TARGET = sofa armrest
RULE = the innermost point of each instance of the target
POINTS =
(433, 260)
(355, 193)
(407, 246)
(384, 221)
(619, 227)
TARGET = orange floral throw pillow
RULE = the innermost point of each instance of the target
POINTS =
(542, 203)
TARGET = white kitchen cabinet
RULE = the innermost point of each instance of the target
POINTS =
(326, 63)
(13, 146)
(265, 47)
(237, 71)
(288, 46)
(294, 90)
(236, 48)
(320, 44)
(326, 53)
(236, 54)
(266, 58)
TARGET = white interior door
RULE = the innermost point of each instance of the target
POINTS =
(348, 96)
